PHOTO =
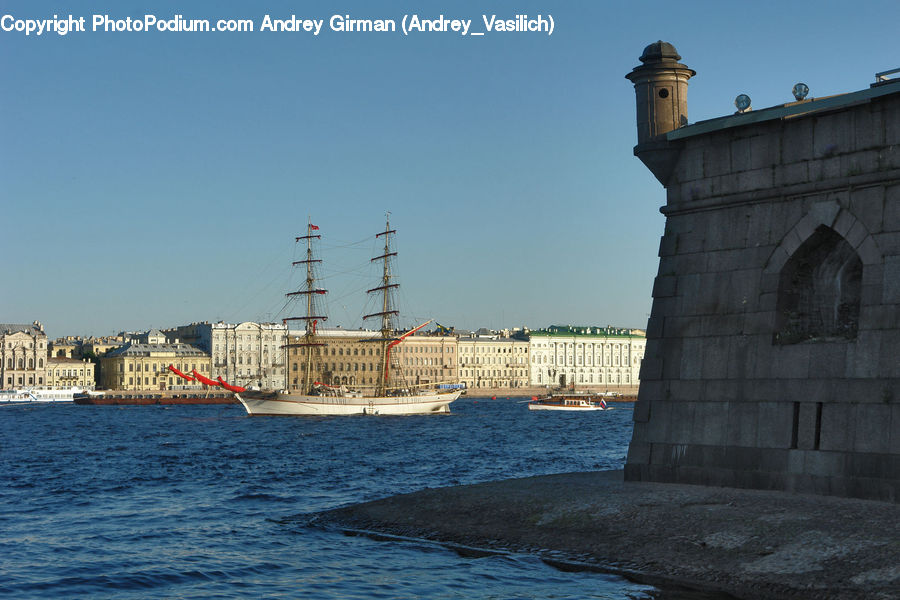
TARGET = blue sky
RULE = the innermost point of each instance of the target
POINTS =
(155, 179)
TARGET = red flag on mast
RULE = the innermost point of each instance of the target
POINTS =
(313, 227)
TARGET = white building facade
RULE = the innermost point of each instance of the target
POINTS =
(493, 362)
(242, 354)
(601, 358)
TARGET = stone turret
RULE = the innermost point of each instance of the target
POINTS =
(660, 88)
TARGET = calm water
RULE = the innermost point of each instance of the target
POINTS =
(202, 501)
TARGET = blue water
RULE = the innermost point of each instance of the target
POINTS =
(205, 502)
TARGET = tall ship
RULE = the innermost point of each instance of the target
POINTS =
(389, 395)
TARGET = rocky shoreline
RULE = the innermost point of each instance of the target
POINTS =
(746, 544)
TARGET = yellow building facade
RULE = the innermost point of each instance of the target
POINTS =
(146, 367)
(65, 373)
(348, 357)
(429, 359)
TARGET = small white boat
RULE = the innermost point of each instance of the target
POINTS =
(573, 401)
(32, 395)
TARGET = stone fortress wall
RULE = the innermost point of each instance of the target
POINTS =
(773, 345)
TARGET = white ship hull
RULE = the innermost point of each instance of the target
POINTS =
(29, 396)
(537, 406)
(287, 403)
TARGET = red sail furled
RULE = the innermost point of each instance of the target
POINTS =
(397, 341)
(204, 380)
(180, 374)
(326, 385)
(229, 387)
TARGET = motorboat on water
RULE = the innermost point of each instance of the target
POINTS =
(573, 401)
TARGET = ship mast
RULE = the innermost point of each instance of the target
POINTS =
(387, 311)
(313, 315)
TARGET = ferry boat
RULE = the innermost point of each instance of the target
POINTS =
(31, 395)
(574, 401)
(390, 395)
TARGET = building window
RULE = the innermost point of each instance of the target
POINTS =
(819, 291)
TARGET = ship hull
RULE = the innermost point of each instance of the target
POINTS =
(260, 403)
(538, 406)
(125, 398)
(572, 402)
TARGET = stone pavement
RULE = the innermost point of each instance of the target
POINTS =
(750, 544)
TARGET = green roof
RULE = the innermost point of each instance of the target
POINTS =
(586, 331)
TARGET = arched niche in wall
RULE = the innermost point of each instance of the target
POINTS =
(819, 290)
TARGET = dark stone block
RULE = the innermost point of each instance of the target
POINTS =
(660, 454)
(660, 421)
(826, 464)
(635, 472)
(650, 391)
(672, 351)
(638, 453)
(744, 458)
(873, 428)
(775, 424)
(837, 433)
(773, 459)
(891, 466)
(642, 411)
(662, 474)
(866, 465)
(663, 286)
(685, 391)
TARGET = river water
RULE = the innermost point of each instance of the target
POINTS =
(205, 502)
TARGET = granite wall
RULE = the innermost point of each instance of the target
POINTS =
(758, 373)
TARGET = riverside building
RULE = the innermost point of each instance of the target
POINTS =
(138, 366)
(66, 373)
(343, 358)
(428, 359)
(23, 355)
(492, 361)
(101, 345)
(351, 357)
(242, 354)
(602, 358)
(67, 347)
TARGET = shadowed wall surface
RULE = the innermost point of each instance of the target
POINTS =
(773, 345)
